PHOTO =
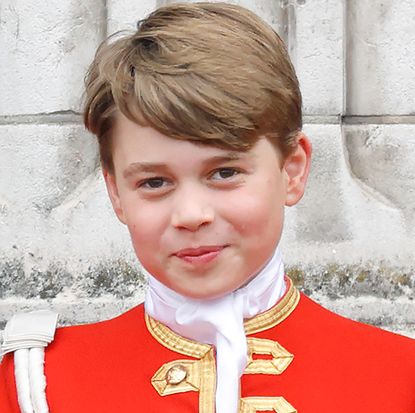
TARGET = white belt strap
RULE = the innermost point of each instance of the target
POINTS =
(27, 335)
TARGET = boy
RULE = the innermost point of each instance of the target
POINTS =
(198, 118)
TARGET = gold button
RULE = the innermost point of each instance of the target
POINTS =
(176, 374)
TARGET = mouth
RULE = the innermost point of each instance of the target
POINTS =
(200, 255)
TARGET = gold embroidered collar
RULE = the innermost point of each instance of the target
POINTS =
(260, 322)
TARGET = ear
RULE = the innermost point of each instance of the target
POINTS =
(113, 193)
(297, 168)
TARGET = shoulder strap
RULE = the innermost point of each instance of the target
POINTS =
(27, 335)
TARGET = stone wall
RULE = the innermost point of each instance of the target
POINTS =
(350, 243)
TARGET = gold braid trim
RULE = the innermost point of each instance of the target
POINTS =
(201, 374)
(207, 395)
(265, 404)
(279, 362)
(168, 338)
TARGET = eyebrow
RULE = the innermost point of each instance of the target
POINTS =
(137, 167)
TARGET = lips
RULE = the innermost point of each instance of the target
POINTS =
(199, 256)
(195, 252)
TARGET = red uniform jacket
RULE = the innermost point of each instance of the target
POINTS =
(302, 358)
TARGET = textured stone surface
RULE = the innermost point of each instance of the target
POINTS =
(380, 57)
(124, 14)
(368, 279)
(56, 220)
(382, 158)
(324, 207)
(117, 277)
(319, 56)
(47, 163)
(270, 11)
(45, 48)
(341, 219)
(75, 238)
(397, 314)
(372, 293)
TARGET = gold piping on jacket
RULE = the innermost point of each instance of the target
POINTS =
(168, 338)
(207, 392)
(265, 404)
(201, 373)
(280, 360)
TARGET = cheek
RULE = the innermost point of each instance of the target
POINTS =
(144, 225)
(257, 211)
(145, 239)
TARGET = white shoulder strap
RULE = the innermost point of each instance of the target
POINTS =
(27, 335)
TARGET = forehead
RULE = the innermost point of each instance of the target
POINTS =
(134, 143)
(130, 134)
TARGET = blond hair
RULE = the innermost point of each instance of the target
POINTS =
(213, 73)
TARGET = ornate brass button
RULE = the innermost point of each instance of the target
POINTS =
(176, 374)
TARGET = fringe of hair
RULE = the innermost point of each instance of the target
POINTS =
(207, 72)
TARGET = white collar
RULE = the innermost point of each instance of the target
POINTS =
(220, 322)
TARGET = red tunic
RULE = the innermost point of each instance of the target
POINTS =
(302, 358)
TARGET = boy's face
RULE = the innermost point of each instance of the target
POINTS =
(202, 220)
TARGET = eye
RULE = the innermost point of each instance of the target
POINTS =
(152, 183)
(224, 173)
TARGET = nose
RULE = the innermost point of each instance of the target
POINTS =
(192, 210)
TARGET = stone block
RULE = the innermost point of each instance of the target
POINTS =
(270, 11)
(318, 56)
(380, 57)
(358, 206)
(124, 14)
(55, 215)
(321, 216)
(382, 159)
(45, 50)
(44, 164)
(61, 238)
